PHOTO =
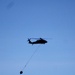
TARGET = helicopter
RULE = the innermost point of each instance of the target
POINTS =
(39, 41)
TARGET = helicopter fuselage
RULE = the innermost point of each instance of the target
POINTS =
(40, 41)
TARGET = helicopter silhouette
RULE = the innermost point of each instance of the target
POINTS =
(39, 41)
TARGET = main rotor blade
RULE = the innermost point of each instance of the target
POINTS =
(34, 38)
(48, 38)
(42, 38)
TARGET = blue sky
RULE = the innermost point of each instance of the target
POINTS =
(23, 19)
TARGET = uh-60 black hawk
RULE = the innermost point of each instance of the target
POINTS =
(39, 41)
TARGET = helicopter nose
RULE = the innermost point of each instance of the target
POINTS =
(46, 41)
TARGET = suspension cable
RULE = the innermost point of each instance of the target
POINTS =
(29, 59)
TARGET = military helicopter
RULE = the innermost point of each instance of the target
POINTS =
(39, 41)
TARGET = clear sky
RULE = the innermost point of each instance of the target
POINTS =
(23, 19)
